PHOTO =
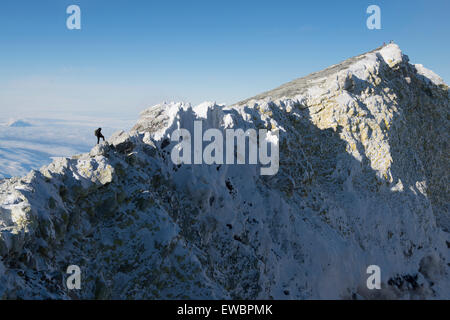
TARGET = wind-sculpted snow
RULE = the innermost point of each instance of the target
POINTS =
(362, 180)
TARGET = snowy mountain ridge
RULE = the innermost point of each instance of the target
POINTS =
(363, 180)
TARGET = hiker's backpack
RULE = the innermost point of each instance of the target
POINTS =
(97, 132)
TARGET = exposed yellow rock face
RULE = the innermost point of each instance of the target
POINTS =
(102, 173)
(364, 113)
(361, 121)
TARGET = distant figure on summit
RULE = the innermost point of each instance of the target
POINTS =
(98, 134)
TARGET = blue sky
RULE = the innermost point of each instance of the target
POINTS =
(133, 54)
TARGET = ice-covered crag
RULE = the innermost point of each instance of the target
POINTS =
(363, 180)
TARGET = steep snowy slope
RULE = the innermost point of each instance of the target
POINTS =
(363, 180)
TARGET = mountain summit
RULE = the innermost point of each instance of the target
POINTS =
(363, 180)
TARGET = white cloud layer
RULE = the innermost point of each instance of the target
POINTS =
(23, 148)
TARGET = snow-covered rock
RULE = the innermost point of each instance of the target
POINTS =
(363, 180)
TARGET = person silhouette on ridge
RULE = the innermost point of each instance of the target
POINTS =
(98, 134)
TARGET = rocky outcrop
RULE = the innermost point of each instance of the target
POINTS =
(363, 180)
